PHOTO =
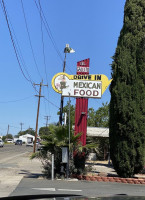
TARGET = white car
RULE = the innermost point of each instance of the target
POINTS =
(9, 140)
(1, 143)
(29, 144)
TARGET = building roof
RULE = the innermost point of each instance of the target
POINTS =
(97, 132)
(27, 135)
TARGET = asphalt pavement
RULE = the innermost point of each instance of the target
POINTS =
(37, 186)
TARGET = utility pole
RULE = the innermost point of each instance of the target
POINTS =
(39, 96)
(21, 124)
(47, 118)
(8, 130)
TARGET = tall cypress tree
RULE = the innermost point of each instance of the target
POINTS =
(127, 106)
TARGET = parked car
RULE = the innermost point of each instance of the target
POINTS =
(18, 142)
(10, 140)
(1, 143)
(31, 144)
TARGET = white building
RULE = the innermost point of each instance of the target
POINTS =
(27, 138)
(98, 132)
(15, 139)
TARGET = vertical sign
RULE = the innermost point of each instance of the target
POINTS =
(81, 109)
(83, 67)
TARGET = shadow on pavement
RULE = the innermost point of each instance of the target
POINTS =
(28, 174)
(100, 164)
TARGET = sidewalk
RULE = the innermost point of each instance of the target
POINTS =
(10, 176)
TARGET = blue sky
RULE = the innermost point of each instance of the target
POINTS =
(91, 28)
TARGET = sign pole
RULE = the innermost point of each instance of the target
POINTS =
(52, 167)
(66, 50)
(69, 142)
(69, 123)
(61, 103)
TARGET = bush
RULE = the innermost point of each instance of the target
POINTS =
(79, 161)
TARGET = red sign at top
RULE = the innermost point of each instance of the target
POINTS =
(83, 66)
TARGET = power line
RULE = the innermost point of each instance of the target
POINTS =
(13, 43)
(41, 20)
(51, 103)
(30, 39)
(19, 50)
(49, 32)
(43, 51)
(42, 38)
(14, 127)
(13, 101)
(4, 9)
(17, 53)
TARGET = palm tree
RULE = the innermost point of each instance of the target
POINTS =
(54, 139)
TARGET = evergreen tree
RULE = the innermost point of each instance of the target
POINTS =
(91, 117)
(102, 116)
(127, 106)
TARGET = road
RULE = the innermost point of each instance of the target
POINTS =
(11, 150)
(14, 165)
(11, 155)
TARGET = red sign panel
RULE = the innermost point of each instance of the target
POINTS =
(82, 105)
(83, 66)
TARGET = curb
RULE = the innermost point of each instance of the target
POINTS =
(110, 179)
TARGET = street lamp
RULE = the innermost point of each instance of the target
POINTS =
(67, 49)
